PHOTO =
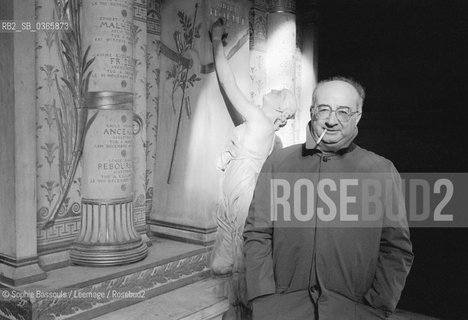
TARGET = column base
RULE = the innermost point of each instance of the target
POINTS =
(108, 255)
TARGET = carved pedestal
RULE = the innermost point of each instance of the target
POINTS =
(107, 235)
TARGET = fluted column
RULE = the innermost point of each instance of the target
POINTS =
(108, 236)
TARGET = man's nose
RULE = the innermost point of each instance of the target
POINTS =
(331, 120)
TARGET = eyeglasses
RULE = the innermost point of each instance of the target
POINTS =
(343, 114)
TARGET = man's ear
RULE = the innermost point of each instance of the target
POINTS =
(358, 118)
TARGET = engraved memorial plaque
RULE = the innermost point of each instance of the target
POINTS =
(108, 156)
(108, 29)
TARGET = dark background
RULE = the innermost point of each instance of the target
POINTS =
(411, 56)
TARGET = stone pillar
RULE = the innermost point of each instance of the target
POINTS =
(107, 235)
(139, 109)
(18, 236)
(281, 54)
(152, 96)
(308, 60)
(258, 36)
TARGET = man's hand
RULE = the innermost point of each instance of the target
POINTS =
(218, 31)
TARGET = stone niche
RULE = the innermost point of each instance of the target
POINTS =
(193, 123)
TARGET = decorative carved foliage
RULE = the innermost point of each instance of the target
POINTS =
(152, 94)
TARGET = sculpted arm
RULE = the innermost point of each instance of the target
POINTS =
(227, 79)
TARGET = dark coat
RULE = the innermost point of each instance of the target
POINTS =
(338, 270)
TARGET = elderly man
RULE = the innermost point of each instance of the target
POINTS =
(336, 253)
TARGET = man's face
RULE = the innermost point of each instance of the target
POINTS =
(335, 94)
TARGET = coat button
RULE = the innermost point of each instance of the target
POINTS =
(314, 288)
(314, 292)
